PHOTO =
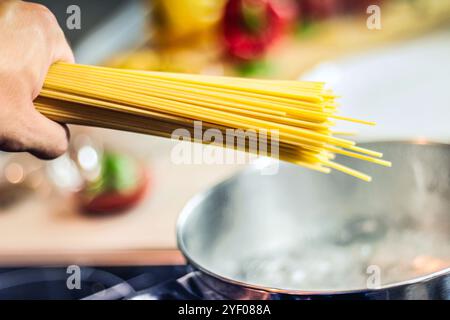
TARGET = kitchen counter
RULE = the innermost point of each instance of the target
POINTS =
(50, 229)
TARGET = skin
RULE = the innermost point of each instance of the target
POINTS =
(30, 42)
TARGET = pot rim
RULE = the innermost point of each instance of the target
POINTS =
(197, 199)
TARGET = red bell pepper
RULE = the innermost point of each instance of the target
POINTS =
(252, 26)
(313, 10)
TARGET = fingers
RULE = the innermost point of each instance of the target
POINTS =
(31, 132)
(56, 41)
(50, 139)
(57, 47)
(62, 50)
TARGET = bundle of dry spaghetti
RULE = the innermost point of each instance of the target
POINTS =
(157, 103)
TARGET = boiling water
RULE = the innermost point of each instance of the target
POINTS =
(364, 255)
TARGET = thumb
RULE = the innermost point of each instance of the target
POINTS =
(46, 139)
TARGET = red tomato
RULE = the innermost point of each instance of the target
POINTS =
(113, 202)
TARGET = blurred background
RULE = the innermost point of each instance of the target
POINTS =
(113, 199)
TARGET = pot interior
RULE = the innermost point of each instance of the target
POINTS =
(303, 230)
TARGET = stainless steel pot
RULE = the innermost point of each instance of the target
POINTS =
(301, 234)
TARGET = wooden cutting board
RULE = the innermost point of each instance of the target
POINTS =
(47, 227)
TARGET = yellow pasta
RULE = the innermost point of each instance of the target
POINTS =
(294, 118)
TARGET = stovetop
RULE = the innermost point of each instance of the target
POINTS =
(178, 282)
(99, 283)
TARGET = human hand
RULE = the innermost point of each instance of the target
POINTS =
(30, 42)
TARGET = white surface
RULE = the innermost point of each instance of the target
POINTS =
(405, 89)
